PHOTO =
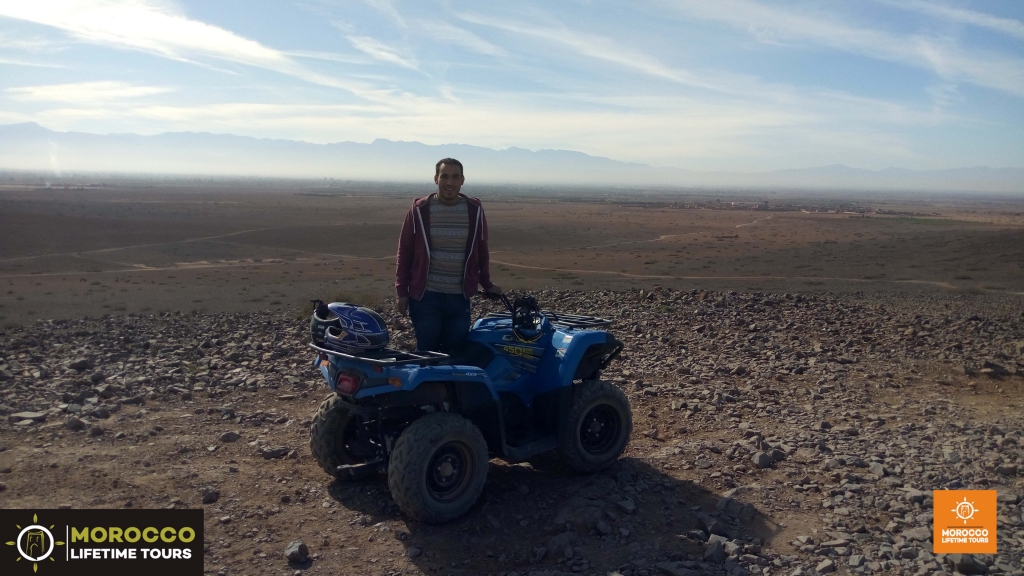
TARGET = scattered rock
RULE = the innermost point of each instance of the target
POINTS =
(80, 364)
(274, 452)
(711, 525)
(966, 564)
(714, 552)
(762, 460)
(32, 416)
(677, 569)
(210, 495)
(825, 567)
(297, 552)
(919, 534)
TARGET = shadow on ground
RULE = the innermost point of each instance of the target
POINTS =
(540, 516)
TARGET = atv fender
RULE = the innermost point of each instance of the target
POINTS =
(413, 378)
(586, 354)
(466, 388)
(479, 404)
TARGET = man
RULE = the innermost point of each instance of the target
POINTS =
(442, 257)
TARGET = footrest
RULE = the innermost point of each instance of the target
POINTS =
(358, 468)
(531, 449)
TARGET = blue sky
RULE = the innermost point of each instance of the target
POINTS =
(736, 85)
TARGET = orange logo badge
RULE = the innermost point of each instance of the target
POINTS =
(965, 522)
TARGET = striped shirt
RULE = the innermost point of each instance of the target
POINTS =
(449, 236)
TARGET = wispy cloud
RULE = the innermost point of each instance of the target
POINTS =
(939, 55)
(29, 44)
(387, 8)
(1006, 26)
(745, 90)
(84, 92)
(16, 62)
(590, 45)
(380, 51)
(158, 29)
(451, 34)
(326, 56)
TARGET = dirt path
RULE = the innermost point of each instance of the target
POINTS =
(628, 242)
(116, 248)
(937, 283)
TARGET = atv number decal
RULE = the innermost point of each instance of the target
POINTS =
(523, 351)
(522, 358)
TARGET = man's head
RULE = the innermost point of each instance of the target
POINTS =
(449, 179)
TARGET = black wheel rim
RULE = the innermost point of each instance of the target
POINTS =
(599, 429)
(449, 472)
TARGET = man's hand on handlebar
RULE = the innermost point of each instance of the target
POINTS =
(492, 293)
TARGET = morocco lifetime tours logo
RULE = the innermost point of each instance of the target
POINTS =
(119, 542)
(965, 522)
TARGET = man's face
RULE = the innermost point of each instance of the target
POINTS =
(449, 181)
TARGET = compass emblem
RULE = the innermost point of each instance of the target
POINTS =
(964, 510)
(35, 543)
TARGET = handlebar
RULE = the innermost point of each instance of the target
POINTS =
(523, 311)
(492, 296)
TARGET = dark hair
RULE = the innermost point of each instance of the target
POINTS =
(448, 161)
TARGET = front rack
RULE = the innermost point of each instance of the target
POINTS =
(388, 356)
(562, 320)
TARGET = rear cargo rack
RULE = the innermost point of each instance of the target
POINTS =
(562, 320)
(388, 356)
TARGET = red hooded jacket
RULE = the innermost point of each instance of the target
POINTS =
(414, 250)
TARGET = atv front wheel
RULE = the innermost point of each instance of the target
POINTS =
(438, 467)
(332, 436)
(598, 429)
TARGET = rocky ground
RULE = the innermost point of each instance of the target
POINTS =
(773, 434)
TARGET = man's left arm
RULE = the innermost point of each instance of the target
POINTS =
(484, 257)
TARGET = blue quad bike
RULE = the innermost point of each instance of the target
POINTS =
(524, 382)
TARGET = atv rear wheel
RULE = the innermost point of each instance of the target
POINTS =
(330, 436)
(438, 467)
(598, 428)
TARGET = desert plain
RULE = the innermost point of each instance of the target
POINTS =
(803, 368)
(236, 247)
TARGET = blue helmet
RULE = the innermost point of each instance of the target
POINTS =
(359, 329)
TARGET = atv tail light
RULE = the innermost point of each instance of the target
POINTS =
(346, 383)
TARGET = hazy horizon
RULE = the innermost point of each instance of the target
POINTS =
(30, 146)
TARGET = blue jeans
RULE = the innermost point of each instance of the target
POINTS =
(440, 321)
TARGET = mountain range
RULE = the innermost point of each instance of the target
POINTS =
(32, 147)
